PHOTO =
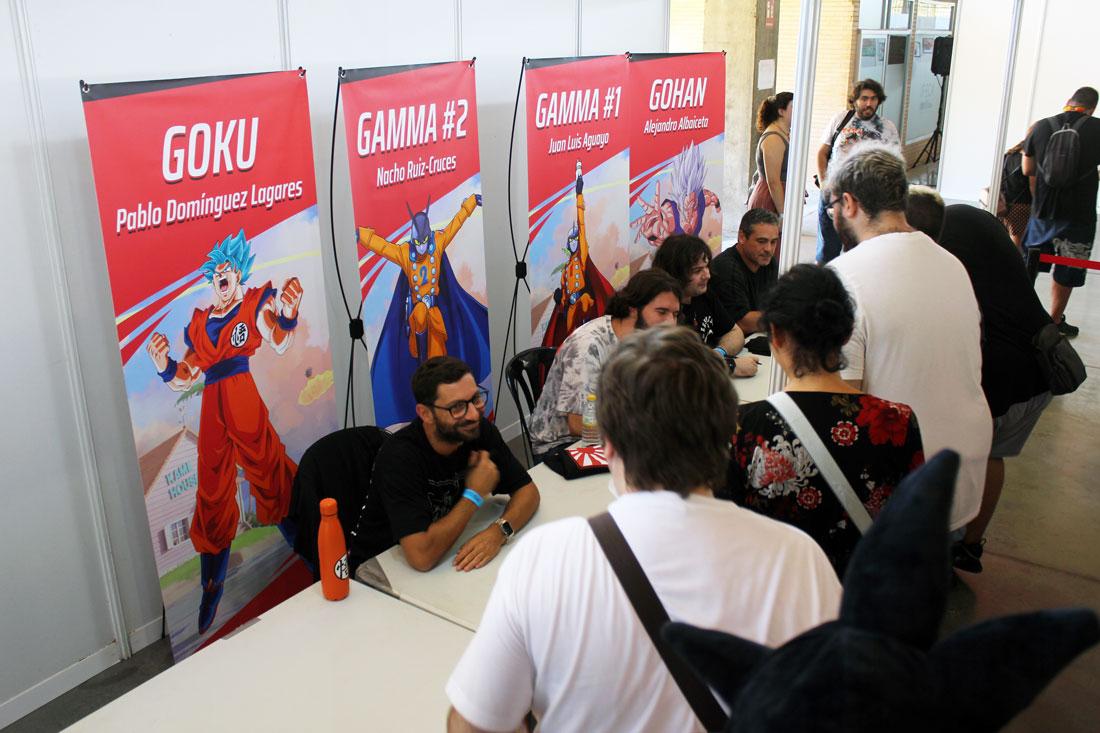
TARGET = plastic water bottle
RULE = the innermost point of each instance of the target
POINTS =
(332, 553)
(590, 430)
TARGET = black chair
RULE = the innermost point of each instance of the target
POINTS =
(337, 466)
(526, 373)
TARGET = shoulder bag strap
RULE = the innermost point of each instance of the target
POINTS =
(830, 471)
(651, 612)
(836, 132)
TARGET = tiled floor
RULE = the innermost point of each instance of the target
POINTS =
(1042, 553)
(1043, 550)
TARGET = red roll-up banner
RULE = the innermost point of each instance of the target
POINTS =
(577, 183)
(208, 209)
(416, 193)
(677, 128)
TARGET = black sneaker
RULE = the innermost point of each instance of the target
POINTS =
(967, 557)
(1067, 330)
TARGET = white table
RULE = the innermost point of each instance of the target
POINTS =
(754, 388)
(368, 662)
(462, 597)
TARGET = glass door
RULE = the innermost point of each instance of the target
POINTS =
(883, 57)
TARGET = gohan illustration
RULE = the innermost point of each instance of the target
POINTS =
(683, 212)
(583, 292)
(234, 428)
(430, 313)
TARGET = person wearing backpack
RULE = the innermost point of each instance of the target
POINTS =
(1062, 154)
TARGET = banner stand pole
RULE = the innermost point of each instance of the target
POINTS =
(355, 323)
(521, 262)
(805, 73)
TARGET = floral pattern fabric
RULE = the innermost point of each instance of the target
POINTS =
(875, 442)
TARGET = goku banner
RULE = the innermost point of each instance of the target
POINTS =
(208, 207)
(416, 195)
(577, 185)
(677, 124)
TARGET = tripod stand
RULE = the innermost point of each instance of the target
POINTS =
(931, 150)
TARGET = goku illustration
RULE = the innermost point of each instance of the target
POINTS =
(683, 212)
(430, 313)
(583, 291)
(234, 429)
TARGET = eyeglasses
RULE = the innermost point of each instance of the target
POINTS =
(459, 409)
(829, 203)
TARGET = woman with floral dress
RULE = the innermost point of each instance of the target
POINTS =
(808, 317)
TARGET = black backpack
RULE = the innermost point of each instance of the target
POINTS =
(1062, 156)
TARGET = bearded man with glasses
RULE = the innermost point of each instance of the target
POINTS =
(430, 477)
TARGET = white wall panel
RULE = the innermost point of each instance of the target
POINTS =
(53, 611)
(120, 41)
(1027, 63)
(1064, 65)
(615, 26)
(500, 33)
(981, 38)
(325, 36)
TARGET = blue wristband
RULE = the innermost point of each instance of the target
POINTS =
(473, 496)
(721, 352)
(287, 324)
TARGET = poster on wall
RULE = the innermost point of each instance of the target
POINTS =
(208, 208)
(577, 186)
(416, 195)
(677, 125)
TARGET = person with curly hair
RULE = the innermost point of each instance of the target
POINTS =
(808, 317)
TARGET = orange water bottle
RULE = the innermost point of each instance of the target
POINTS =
(332, 553)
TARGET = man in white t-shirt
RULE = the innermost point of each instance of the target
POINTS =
(649, 298)
(559, 636)
(859, 123)
(917, 338)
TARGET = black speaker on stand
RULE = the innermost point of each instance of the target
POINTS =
(941, 67)
(941, 55)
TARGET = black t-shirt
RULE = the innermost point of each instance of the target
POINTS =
(1075, 203)
(706, 315)
(413, 486)
(1011, 311)
(738, 288)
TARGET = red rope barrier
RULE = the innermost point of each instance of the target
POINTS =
(1070, 261)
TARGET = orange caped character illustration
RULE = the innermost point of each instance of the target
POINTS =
(234, 428)
(583, 291)
(421, 262)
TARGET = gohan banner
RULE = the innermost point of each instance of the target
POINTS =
(577, 184)
(416, 195)
(208, 207)
(677, 124)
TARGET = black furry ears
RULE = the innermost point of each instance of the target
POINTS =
(896, 583)
(723, 661)
(894, 597)
(993, 670)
